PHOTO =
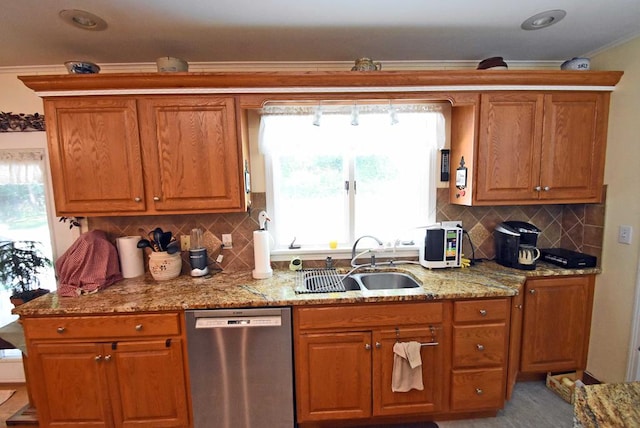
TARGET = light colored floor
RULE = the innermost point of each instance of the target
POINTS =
(532, 405)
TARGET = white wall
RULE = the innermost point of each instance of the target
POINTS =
(615, 287)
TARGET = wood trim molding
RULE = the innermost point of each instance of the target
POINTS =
(319, 81)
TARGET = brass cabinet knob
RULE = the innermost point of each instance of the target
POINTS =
(98, 357)
(107, 357)
(156, 198)
(479, 391)
(537, 188)
(483, 312)
(138, 327)
(378, 345)
(532, 291)
(546, 188)
(137, 199)
(60, 330)
(480, 347)
(367, 346)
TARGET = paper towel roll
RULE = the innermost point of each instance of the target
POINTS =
(261, 255)
(131, 262)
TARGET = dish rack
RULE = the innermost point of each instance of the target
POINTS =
(318, 281)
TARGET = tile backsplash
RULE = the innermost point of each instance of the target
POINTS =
(576, 227)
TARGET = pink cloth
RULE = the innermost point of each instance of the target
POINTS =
(90, 264)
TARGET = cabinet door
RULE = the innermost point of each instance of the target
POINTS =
(430, 399)
(333, 376)
(94, 150)
(508, 158)
(191, 154)
(147, 383)
(556, 324)
(69, 385)
(573, 147)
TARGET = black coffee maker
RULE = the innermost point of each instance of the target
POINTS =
(515, 243)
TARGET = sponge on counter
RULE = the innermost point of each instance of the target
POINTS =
(464, 262)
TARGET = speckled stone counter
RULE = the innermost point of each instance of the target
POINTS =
(239, 289)
(608, 405)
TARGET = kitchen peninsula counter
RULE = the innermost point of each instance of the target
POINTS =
(608, 405)
(239, 289)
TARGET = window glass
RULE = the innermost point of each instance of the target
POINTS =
(349, 171)
(23, 213)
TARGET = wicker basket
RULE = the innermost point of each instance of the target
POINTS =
(566, 391)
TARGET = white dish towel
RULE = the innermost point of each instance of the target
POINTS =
(407, 367)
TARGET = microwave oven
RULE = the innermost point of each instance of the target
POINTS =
(442, 246)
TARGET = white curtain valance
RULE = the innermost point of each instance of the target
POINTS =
(21, 166)
(381, 127)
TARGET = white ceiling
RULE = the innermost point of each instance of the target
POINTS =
(139, 31)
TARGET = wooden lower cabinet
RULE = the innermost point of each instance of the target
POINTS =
(480, 350)
(556, 323)
(111, 382)
(344, 365)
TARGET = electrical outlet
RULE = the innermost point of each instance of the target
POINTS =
(624, 234)
(227, 242)
(185, 242)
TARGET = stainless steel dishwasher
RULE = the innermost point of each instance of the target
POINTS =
(241, 367)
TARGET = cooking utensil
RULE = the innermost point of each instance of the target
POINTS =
(165, 239)
(144, 243)
(157, 237)
(173, 247)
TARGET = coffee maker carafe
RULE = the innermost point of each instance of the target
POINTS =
(515, 244)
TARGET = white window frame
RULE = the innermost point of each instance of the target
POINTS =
(318, 253)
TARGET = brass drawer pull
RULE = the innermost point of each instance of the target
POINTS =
(483, 312)
(138, 327)
(378, 345)
(60, 330)
(479, 391)
(480, 347)
(107, 357)
(367, 346)
(98, 357)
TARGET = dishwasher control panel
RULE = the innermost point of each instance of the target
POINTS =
(259, 321)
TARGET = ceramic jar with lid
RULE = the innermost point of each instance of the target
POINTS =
(163, 265)
(366, 64)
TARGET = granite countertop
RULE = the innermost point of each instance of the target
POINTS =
(608, 405)
(239, 289)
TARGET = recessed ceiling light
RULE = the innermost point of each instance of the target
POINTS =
(83, 19)
(543, 19)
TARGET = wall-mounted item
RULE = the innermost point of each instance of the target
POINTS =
(444, 164)
(461, 175)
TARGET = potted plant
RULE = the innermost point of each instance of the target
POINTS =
(20, 264)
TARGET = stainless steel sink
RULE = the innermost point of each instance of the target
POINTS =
(321, 282)
(385, 280)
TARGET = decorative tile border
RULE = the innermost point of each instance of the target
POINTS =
(21, 122)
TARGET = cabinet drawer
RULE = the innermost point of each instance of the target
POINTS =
(480, 310)
(479, 345)
(367, 316)
(477, 389)
(96, 327)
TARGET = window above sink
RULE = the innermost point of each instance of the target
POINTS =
(339, 170)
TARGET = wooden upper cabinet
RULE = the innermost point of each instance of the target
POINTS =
(534, 147)
(144, 155)
(509, 141)
(191, 154)
(95, 156)
(573, 146)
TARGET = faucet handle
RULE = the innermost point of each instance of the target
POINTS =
(328, 263)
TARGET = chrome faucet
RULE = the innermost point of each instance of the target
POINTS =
(355, 245)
